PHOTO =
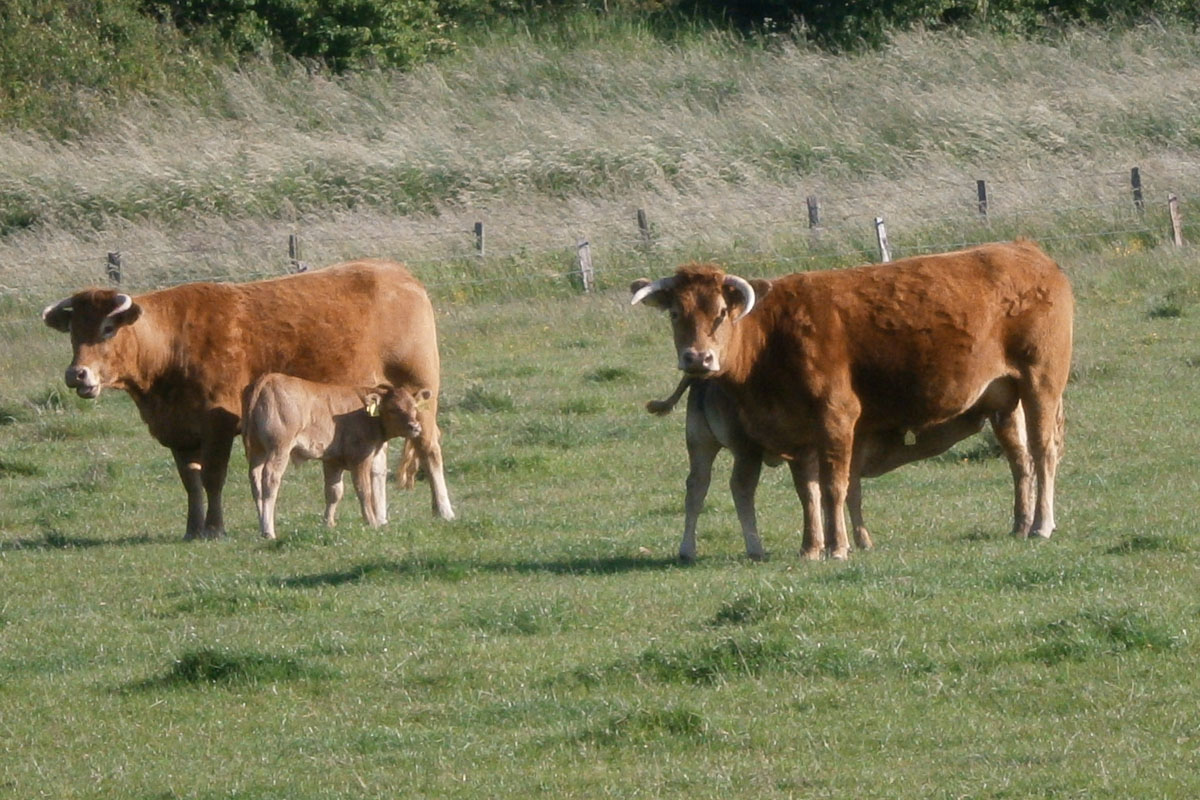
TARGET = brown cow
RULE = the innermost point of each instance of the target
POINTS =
(347, 428)
(186, 354)
(826, 357)
(713, 423)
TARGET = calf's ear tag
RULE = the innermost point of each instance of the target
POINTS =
(373, 406)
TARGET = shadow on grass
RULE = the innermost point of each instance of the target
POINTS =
(212, 667)
(449, 571)
(54, 540)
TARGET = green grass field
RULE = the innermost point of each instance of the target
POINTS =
(546, 644)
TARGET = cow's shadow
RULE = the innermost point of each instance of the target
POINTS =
(454, 571)
(53, 540)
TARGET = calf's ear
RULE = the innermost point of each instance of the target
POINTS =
(58, 315)
(372, 401)
(762, 287)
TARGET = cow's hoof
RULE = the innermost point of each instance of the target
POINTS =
(840, 555)
(757, 557)
(1041, 535)
(686, 559)
(810, 555)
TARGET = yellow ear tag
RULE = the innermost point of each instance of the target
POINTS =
(373, 407)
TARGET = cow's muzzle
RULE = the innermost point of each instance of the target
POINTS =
(83, 381)
(698, 362)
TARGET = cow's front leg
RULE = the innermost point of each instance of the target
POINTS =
(743, 483)
(808, 489)
(187, 463)
(702, 450)
(215, 468)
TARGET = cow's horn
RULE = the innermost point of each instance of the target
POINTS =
(662, 284)
(747, 291)
(124, 301)
(61, 305)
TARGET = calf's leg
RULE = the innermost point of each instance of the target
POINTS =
(333, 490)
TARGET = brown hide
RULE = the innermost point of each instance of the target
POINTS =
(827, 356)
(186, 354)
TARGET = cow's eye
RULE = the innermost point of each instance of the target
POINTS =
(720, 317)
(107, 330)
(674, 313)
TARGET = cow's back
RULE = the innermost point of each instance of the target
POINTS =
(918, 337)
(358, 323)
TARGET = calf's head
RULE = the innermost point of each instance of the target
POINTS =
(397, 409)
(705, 304)
(96, 320)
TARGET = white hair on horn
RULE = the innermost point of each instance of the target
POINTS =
(61, 305)
(746, 290)
(124, 302)
(659, 285)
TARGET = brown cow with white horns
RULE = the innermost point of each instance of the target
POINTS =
(814, 360)
(186, 354)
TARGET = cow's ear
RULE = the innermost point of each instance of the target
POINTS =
(58, 315)
(762, 287)
(424, 394)
(642, 292)
(128, 316)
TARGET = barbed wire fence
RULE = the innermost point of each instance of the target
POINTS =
(478, 261)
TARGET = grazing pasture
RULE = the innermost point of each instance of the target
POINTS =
(547, 644)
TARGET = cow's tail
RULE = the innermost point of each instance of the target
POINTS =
(1060, 427)
(663, 407)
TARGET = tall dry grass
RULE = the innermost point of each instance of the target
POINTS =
(555, 138)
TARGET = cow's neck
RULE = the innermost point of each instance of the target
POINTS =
(148, 354)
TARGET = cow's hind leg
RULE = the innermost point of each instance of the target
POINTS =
(1044, 419)
(429, 447)
(1009, 427)
(406, 472)
(808, 489)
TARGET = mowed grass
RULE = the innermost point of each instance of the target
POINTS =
(547, 644)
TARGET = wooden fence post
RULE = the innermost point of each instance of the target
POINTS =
(1135, 183)
(479, 239)
(1176, 220)
(583, 260)
(981, 193)
(885, 253)
(112, 267)
(294, 253)
(644, 228)
(814, 211)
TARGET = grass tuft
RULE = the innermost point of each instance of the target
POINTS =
(1100, 632)
(1149, 543)
(213, 667)
(641, 724)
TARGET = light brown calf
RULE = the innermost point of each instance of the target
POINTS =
(347, 428)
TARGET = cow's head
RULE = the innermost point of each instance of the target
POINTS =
(95, 318)
(397, 409)
(705, 305)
